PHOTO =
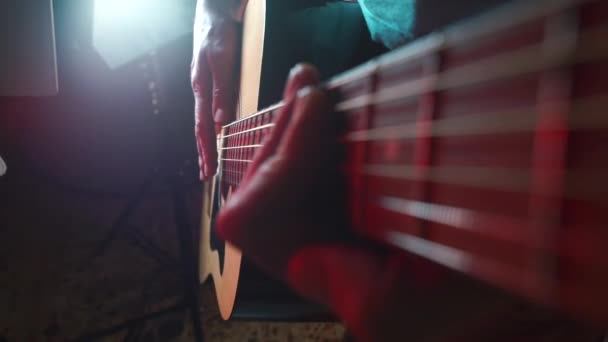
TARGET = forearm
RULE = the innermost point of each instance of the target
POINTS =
(226, 8)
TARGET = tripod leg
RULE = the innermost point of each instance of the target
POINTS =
(122, 218)
(189, 261)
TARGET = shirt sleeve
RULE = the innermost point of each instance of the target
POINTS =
(390, 22)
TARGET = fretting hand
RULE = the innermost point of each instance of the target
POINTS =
(283, 214)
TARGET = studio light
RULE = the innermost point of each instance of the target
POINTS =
(123, 30)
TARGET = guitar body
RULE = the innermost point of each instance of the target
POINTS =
(243, 291)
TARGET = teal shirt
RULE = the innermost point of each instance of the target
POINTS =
(395, 22)
(390, 22)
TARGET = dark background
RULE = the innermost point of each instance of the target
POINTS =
(74, 162)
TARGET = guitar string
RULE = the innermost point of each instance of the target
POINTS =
(478, 30)
(428, 45)
(445, 80)
(579, 184)
(527, 62)
(258, 113)
(248, 130)
(508, 65)
(241, 147)
(237, 160)
(585, 115)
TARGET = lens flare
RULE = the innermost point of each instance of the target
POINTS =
(124, 30)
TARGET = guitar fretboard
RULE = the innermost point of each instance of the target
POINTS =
(240, 140)
(482, 148)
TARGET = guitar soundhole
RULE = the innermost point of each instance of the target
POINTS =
(216, 242)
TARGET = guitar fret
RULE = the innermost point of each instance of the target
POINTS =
(473, 124)
(585, 116)
(516, 180)
(525, 280)
(549, 155)
(455, 37)
(416, 50)
(525, 60)
(240, 152)
(260, 113)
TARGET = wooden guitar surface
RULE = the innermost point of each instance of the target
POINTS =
(225, 279)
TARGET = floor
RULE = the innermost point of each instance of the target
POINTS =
(58, 286)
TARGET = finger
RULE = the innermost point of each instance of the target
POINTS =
(221, 58)
(258, 209)
(254, 219)
(300, 76)
(308, 134)
(204, 127)
(263, 192)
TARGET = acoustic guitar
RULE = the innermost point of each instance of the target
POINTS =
(480, 147)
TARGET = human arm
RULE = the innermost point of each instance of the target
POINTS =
(216, 38)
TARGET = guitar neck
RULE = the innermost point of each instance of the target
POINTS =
(479, 148)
